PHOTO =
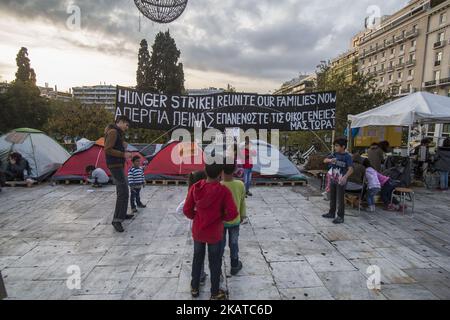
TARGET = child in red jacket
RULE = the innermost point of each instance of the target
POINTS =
(209, 204)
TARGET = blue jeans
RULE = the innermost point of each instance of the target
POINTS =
(444, 179)
(135, 197)
(247, 179)
(233, 243)
(215, 264)
(371, 193)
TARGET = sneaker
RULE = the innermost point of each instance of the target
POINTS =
(195, 293)
(236, 269)
(328, 216)
(118, 226)
(140, 205)
(390, 207)
(129, 216)
(221, 295)
(249, 194)
(371, 208)
(245, 221)
(326, 196)
(338, 220)
(134, 210)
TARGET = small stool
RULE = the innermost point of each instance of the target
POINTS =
(403, 193)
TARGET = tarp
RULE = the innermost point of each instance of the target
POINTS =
(91, 154)
(419, 107)
(43, 153)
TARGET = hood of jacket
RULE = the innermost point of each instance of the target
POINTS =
(206, 193)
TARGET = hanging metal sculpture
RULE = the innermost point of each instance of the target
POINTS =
(161, 11)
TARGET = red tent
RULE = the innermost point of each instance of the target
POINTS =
(175, 160)
(75, 167)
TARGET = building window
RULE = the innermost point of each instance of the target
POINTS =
(437, 75)
(441, 36)
(415, 27)
(413, 43)
(402, 48)
(409, 87)
(390, 77)
(443, 18)
(438, 59)
(431, 129)
(382, 66)
(381, 80)
(446, 130)
(412, 57)
(411, 72)
(400, 75)
(401, 60)
(393, 51)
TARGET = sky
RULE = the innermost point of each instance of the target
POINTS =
(254, 45)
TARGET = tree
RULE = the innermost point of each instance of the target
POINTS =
(142, 74)
(353, 97)
(22, 105)
(166, 75)
(24, 71)
(74, 120)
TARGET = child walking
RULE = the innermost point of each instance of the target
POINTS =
(237, 189)
(193, 178)
(209, 204)
(373, 184)
(341, 164)
(136, 181)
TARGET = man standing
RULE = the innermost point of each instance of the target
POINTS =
(116, 155)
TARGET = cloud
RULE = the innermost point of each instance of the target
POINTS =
(255, 39)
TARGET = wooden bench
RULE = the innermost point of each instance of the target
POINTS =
(18, 183)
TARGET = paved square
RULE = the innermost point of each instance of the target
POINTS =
(288, 250)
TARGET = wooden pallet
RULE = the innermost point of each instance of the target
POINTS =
(280, 183)
(67, 182)
(168, 182)
(14, 184)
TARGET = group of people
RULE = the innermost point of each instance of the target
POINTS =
(17, 168)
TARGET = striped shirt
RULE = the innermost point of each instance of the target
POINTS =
(136, 176)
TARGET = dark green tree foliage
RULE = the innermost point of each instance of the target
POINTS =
(22, 105)
(142, 74)
(166, 73)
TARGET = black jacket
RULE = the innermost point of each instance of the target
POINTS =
(443, 159)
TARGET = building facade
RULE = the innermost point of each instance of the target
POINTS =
(410, 51)
(54, 94)
(101, 95)
(346, 64)
(302, 84)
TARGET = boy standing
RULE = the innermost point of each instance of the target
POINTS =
(341, 164)
(136, 181)
(237, 189)
(209, 204)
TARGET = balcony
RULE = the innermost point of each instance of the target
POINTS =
(412, 34)
(412, 49)
(410, 78)
(383, 59)
(390, 69)
(439, 44)
(399, 39)
(400, 66)
(431, 83)
(437, 63)
(444, 81)
(411, 63)
(389, 43)
(382, 71)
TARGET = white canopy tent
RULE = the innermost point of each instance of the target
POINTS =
(417, 108)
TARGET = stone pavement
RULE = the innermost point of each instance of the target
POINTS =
(288, 250)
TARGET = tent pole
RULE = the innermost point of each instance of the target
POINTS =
(409, 140)
(349, 137)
